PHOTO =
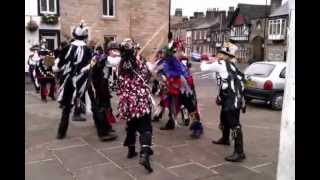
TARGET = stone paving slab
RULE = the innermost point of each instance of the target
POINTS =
(79, 157)
(82, 156)
(238, 172)
(119, 156)
(167, 158)
(192, 171)
(38, 154)
(47, 170)
(102, 172)
(159, 173)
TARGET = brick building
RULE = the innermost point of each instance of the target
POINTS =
(144, 21)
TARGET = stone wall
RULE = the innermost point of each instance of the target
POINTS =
(138, 19)
(276, 52)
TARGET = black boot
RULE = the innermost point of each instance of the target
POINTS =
(170, 125)
(146, 151)
(224, 140)
(238, 154)
(63, 126)
(145, 160)
(77, 115)
(111, 135)
(104, 129)
(131, 152)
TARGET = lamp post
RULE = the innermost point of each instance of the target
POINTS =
(169, 16)
(264, 30)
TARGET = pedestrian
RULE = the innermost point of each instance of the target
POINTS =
(33, 61)
(230, 98)
(76, 58)
(45, 74)
(113, 59)
(135, 103)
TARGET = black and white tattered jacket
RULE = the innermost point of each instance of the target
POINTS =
(231, 84)
(74, 61)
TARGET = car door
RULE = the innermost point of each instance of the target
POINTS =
(281, 79)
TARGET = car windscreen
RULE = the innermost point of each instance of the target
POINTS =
(259, 69)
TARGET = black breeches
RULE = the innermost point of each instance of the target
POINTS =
(230, 119)
(141, 125)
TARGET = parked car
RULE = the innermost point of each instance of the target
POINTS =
(196, 57)
(266, 81)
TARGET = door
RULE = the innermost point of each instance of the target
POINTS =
(52, 37)
(258, 50)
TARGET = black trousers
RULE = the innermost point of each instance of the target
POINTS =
(230, 118)
(43, 87)
(141, 125)
(98, 112)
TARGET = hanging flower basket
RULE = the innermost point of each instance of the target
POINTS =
(50, 19)
(32, 26)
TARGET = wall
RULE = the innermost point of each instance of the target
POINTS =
(275, 52)
(139, 19)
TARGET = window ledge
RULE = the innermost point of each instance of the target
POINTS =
(110, 18)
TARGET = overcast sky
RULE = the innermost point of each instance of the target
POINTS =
(189, 6)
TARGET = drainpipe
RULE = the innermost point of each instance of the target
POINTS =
(286, 158)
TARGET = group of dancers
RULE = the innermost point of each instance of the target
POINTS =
(82, 72)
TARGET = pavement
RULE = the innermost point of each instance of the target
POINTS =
(81, 156)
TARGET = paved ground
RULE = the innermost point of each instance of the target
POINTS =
(81, 156)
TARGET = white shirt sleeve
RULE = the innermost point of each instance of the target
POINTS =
(214, 67)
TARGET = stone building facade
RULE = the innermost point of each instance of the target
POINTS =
(278, 22)
(144, 21)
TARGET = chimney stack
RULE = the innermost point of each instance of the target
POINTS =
(275, 4)
(178, 12)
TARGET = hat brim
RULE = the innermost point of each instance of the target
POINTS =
(226, 53)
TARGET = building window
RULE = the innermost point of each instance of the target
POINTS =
(48, 6)
(277, 29)
(108, 7)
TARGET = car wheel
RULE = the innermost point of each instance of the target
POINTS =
(276, 102)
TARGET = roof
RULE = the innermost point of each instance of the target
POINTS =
(207, 24)
(249, 12)
(282, 10)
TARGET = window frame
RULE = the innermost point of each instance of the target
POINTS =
(108, 10)
(47, 12)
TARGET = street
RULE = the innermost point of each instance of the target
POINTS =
(81, 156)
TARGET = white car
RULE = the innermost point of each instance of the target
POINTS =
(266, 81)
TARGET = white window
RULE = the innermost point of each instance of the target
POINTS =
(108, 8)
(48, 6)
(277, 29)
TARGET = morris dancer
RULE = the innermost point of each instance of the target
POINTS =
(45, 74)
(230, 98)
(135, 102)
(33, 61)
(75, 62)
(179, 87)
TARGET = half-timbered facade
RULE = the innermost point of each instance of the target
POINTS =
(241, 27)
